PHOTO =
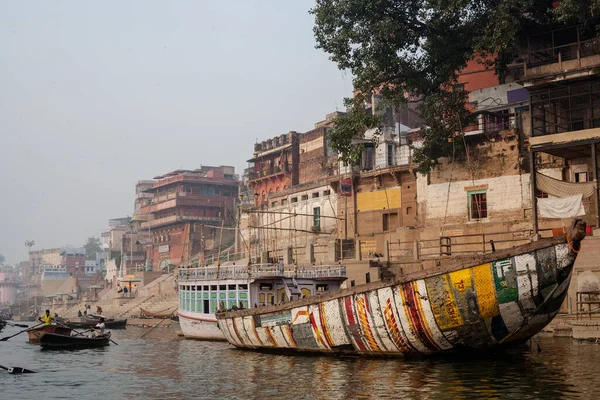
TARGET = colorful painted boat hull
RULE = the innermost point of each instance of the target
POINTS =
(197, 328)
(501, 301)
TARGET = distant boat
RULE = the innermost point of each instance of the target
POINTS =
(497, 300)
(92, 320)
(60, 342)
(149, 314)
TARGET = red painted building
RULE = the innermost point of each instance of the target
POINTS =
(186, 207)
(274, 166)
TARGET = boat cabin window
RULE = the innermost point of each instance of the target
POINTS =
(243, 287)
(322, 288)
(222, 287)
(213, 287)
(205, 288)
(231, 287)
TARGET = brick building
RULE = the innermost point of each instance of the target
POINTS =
(186, 208)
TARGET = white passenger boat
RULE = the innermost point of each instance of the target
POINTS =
(205, 290)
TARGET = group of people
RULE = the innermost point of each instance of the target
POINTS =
(88, 309)
(47, 319)
(125, 290)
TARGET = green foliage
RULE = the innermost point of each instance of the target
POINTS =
(92, 246)
(349, 127)
(417, 47)
(445, 116)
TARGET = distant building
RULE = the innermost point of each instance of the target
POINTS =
(8, 285)
(186, 207)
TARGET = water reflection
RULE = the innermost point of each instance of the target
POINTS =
(162, 366)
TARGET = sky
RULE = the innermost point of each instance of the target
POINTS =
(95, 96)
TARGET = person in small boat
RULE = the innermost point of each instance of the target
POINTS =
(100, 326)
(79, 314)
(46, 318)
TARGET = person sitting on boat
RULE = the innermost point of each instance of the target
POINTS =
(79, 314)
(46, 318)
(100, 326)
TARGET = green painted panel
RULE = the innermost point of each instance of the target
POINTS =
(243, 295)
(505, 279)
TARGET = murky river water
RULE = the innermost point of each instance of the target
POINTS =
(161, 366)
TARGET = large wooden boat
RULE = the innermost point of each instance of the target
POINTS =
(36, 333)
(497, 300)
(60, 342)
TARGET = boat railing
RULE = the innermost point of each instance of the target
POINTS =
(260, 271)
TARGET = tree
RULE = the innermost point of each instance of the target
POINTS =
(417, 47)
(2, 259)
(92, 246)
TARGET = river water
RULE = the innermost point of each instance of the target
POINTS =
(163, 366)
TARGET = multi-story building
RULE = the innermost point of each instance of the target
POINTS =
(187, 209)
(293, 216)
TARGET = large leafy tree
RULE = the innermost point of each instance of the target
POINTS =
(92, 246)
(417, 47)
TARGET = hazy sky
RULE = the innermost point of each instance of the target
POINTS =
(97, 95)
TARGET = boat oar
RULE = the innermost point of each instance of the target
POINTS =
(17, 325)
(18, 333)
(17, 370)
(154, 327)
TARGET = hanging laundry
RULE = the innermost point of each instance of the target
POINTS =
(565, 207)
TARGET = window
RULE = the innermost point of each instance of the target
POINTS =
(477, 204)
(283, 202)
(273, 204)
(390, 154)
(390, 221)
(496, 122)
(581, 177)
(317, 217)
(294, 199)
(322, 287)
(315, 195)
(304, 197)
(326, 193)
(367, 157)
(188, 189)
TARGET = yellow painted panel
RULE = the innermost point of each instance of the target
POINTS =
(444, 307)
(378, 200)
(461, 280)
(486, 291)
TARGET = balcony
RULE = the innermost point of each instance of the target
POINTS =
(258, 271)
(558, 55)
(270, 172)
(175, 219)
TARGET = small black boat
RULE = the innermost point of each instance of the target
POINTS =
(55, 341)
(88, 322)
